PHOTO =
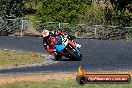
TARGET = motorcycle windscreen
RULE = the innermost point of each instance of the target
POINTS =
(59, 47)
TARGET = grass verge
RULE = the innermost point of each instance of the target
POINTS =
(16, 58)
(63, 84)
(51, 80)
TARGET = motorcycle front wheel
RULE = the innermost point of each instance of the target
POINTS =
(72, 55)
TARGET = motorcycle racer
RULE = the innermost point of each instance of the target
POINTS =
(49, 39)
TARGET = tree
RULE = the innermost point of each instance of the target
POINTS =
(122, 15)
(31, 3)
(120, 4)
(11, 8)
(70, 11)
(3, 4)
(95, 15)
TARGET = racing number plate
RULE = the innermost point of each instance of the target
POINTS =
(64, 41)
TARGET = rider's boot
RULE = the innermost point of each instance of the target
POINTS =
(52, 57)
(56, 56)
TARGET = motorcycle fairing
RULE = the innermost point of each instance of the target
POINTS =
(60, 47)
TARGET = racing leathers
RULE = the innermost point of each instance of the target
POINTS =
(49, 41)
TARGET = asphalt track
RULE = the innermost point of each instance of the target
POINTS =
(97, 55)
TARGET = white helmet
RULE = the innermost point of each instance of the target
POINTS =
(45, 33)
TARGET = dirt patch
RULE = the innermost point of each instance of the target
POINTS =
(42, 77)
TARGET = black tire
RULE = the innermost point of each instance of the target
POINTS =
(81, 80)
(58, 57)
(72, 55)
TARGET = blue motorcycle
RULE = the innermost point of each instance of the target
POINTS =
(68, 49)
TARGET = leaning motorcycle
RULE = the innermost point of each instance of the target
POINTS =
(67, 48)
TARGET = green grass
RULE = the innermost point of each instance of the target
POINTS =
(62, 84)
(16, 58)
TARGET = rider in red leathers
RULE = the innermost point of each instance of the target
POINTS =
(48, 42)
